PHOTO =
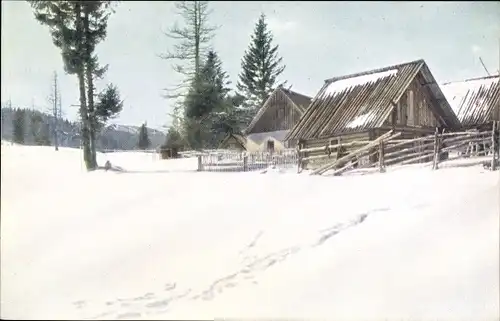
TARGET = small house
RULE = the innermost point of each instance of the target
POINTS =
(269, 127)
(361, 107)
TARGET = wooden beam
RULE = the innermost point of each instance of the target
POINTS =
(381, 163)
(386, 136)
(436, 150)
(493, 147)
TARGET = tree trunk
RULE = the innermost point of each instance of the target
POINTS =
(55, 113)
(197, 40)
(90, 90)
(87, 154)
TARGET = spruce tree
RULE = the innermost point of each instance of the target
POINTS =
(209, 92)
(206, 100)
(261, 66)
(64, 20)
(18, 128)
(109, 105)
(36, 123)
(144, 141)
(76, 28)
(95, 22)
(45, 135)
(174, 139)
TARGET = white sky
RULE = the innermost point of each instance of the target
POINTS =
(318, 40)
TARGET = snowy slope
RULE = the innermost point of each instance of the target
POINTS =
(163, 241)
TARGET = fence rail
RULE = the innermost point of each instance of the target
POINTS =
(107, 151)
(233, 161)
(388, 150)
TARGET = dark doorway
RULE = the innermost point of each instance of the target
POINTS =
(270, 145)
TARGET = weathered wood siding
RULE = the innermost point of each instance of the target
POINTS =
(414, 108)
(281, 115)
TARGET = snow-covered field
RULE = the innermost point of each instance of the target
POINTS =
(163, 241)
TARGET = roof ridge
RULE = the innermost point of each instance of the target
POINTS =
(471, 79)
(373, 71)
(295, 92)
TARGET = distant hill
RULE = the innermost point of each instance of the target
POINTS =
(111, 137)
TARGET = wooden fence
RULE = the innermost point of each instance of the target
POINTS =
(233, 161)
(388, 150)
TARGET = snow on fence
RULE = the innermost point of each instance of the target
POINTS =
(233, 161)
(105, 151)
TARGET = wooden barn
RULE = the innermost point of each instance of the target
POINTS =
(475, 101)
(268, 129)
(404, 98)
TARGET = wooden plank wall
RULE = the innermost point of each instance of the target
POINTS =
(414, 109)
(280, 115)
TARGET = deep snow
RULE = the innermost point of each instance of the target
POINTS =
(163, 241)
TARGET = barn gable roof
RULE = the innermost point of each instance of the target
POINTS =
(298, 101)
(240, 139)
(476, 100)
(364, 100)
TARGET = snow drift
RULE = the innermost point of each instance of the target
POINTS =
(162, 241)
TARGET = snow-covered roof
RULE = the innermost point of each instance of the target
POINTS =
(338, 86)
(364, 100)
(473, 100)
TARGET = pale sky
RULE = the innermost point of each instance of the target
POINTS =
(317, 40)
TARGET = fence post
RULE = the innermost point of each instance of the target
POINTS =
(493, 147)
(435, 164)
(497, 136)
(381, 161)
(299, 157)
(200, 164)
(245, 162)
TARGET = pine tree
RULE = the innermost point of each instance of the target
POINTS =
(144, 141)
(18, 126)
(174, 139)
(76, 28)
(36, 123)
(206, 99)
(109, 105)
(210, 91)
(260, 68)
(95, 22)
(44, 138)
(64, 19)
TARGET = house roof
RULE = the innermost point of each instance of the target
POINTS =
(299, 101)
(364, 100)
(474, 100)
(259, 138)
(238, 137)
